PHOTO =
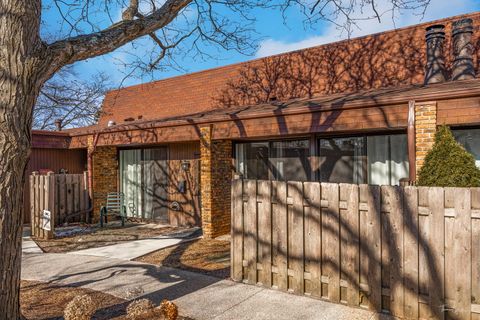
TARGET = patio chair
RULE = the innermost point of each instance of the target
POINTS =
(114, 207)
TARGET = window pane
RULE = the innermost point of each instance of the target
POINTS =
(387, 159)
(342, 160)
(470, 139)
(155, 184)
(289, 160)
(131, 180)
(252, 160)
(399, 168)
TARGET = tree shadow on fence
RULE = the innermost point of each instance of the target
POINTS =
(387, 255)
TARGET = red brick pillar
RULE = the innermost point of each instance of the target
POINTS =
(425, 128)
(104, 168)
(215, 181)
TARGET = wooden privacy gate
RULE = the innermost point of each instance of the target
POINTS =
(410, 251)
(63, 195)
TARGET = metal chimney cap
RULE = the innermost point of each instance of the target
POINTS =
(436, 30)
(463, 25)
(462, 21)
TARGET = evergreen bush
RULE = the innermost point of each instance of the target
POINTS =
(448, 164)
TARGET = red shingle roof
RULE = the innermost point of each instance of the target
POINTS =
(387, 59)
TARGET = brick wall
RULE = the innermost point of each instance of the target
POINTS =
(215, 182)
(105, 167)
(425, 128)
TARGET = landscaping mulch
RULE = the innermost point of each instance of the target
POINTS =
(95, 237)
(206, 256)
(40, 300)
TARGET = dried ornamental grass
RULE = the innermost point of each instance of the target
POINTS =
(169, 310)
(140, 309)
(80, 308)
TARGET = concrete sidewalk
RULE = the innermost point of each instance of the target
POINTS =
(198, 296)
(28, 245)
(133, 249)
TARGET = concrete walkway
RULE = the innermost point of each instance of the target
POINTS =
(133, 249)
(28, 245)
(198, 296)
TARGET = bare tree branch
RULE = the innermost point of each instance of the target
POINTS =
(75, 103)
(345, 14)
(87, 46)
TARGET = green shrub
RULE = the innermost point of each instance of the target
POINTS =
(448, 164)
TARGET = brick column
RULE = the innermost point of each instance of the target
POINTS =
(215, 181)
(425, 128)
(104, 177)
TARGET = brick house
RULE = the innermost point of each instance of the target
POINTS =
(363, 110)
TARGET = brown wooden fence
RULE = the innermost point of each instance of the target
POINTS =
(65, 196)
(410, 251)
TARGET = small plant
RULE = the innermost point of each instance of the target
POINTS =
(140, 309)
(448, 164)
(168, 309)
(80, 308)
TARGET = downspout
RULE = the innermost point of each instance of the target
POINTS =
(412, 168)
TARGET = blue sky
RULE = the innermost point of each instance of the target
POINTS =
(273, 33)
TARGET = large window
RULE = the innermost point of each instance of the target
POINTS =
(380, 159)
(470, 139)
(274, 160)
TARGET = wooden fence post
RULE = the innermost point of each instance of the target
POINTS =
(50, 205)
(330, 242)
(237, 230)
(250, 231)
(33, 208)
(265, 232)
(312, 237)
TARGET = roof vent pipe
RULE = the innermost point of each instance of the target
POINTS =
(111, 123)
(435, 69)
(58, 124)
(462, 31)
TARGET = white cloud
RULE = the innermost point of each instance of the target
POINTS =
(438, 9)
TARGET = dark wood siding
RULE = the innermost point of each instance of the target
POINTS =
(75, 161)
(392, 117)
(189, 213)
(454, 112)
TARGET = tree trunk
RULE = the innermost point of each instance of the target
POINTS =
(20, 80)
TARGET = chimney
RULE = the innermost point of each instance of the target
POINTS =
(435, 69)
(462, 31)
(58, 124)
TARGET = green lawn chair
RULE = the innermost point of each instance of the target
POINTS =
(114, 207)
